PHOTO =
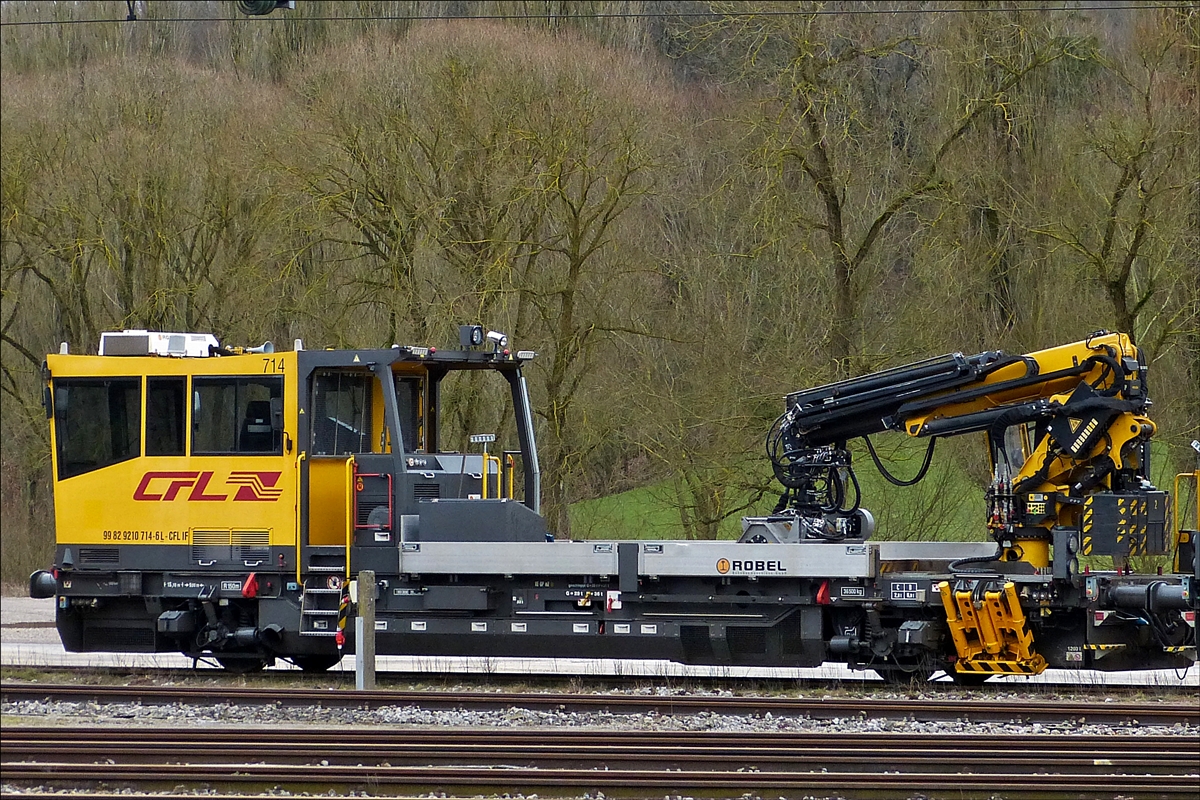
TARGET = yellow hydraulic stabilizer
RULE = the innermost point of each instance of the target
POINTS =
(988, 628)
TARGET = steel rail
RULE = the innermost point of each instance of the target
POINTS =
(924, 710)
(833, 753)
(144, 759)
(314, 778)
(862, 682)
(152, 736)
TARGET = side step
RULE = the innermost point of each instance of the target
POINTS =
(325, 558)
(321, 607)
(324, 599)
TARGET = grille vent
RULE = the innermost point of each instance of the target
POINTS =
(251, 538)
(210, 546)
(427, 491)
(373, 499)
(230, 546)
(99, 555)
(205, 538)
(251, 545)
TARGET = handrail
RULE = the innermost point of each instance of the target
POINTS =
(488, 458)
(350, 464)
(299, 503)
(1195, 476)
(1183, 534)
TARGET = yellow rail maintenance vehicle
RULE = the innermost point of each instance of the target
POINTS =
(216, 502)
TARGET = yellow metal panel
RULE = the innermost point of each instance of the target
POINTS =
(159, 500)
(328, 495)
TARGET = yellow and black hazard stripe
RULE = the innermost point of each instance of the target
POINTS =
(1088, 521)
(1034, 666)
(343, 615)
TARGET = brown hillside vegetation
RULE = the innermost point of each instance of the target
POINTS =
(686, 216)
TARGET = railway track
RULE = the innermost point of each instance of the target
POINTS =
(1084, 688)
(1185, 711)
(114, 761)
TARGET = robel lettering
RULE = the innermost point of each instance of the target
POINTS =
(725, 566)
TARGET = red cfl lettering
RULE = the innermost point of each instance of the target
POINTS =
(175, 482)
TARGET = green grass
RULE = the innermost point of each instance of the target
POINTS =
(946, 506)
(641, 513)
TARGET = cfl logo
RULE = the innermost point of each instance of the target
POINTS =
(252, 486)
(255, 485)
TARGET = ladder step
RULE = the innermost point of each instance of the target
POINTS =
(318, 633)
(316, 568)
(321, 612)
(322, 591)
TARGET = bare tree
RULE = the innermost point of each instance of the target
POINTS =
(808, 72)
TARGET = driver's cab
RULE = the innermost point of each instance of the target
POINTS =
(375, 472)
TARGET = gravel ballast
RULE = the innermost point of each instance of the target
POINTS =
(70, 713)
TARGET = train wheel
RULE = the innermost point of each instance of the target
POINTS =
(319, 663)
(242, 664)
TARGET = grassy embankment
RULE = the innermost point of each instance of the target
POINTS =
(947, 506)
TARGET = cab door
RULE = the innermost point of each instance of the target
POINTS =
(344, 427)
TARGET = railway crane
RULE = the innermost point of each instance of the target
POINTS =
(218, 502)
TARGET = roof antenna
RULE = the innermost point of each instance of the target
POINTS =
(132, 15)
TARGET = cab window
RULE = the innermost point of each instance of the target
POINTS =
(341, 422)
(97, 422)
(1018, 444)
(166, 413)
(237, 415)
(409, 399)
